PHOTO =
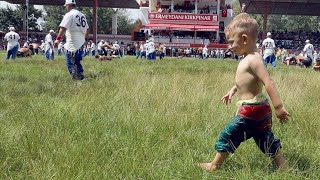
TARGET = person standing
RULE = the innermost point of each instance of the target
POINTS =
(75, 25)
(151, 50)
(42, 46)
(308, 50)
(26, 44)
(268, 47)
(60, 46)
(315, 56)
(49, 49)
(205, 52)
(13, 43)
(93, 48)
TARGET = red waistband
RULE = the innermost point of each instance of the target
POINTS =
(255, 112)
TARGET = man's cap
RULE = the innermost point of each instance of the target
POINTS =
(307, 41)
(147, 41)
(269, 34)
(51, 31)
(70, 2)
(12, 28)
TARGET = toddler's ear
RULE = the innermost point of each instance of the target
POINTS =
(245, 38)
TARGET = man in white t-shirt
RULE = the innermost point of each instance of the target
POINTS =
(142, 50)
(308, 49)
(93, 48)
(268, 48)
(308, 54)
(60, 47)
(13, 43)
(42, 46)
(26, 44)
(116, 48)
(49, 49)
(146, 48)
(205, 52)
(152, 50)
(75, 25)
(315, 56)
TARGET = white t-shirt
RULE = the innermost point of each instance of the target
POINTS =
(60, 46)
(116, 46)
(268, 45)
(42, 45)
(142, 48)
(151, 47)
(25, 45)
(93, 47)
(308, 49)
(100, 45)
(13, 40)
(205, 50)
(315, 56)
(77, 25)
(146, 47)
(48, 41)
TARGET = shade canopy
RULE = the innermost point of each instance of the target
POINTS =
(88, 3)
(282, 7)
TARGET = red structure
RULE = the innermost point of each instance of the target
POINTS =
(200, 22)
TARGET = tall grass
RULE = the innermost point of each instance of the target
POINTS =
(139, 119)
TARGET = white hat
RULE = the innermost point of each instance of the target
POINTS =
(307, 41)
(147, 41)
(51, 31)
(70, 2)
(269, 34)
(12, 28)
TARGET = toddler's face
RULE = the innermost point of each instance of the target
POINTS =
(236, 42)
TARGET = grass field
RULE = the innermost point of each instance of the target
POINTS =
(139, 119)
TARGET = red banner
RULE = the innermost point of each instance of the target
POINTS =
(208, 19)
(185, 45)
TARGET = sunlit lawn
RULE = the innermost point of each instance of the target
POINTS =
(139, 119)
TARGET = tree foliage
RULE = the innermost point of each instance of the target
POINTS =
(54, 15)
(14, 17)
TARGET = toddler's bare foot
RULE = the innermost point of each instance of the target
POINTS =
(209, 167)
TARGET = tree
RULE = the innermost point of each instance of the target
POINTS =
(8, 18)
(14, 17)
(54, 14)
(53, 17)
(104, 21)
(125, 25)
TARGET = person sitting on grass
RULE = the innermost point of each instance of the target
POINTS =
(304, 61)
(291, 60)
(254, 116)
(104, 58)
(24, 52)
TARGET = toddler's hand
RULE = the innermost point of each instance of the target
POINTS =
(282, 114)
